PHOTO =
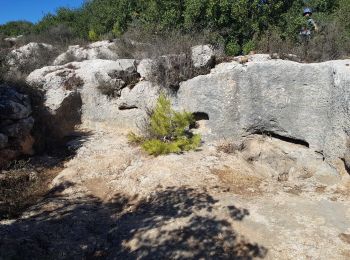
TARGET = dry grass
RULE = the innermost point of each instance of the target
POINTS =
(141, 44)
(73, 82)
(343, 190)
(229, 147)
(329, 43)
(238, 182)
(293, 189)
(22, 185)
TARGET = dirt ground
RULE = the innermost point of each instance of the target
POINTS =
(112, 201)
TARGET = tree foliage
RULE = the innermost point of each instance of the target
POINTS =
(234, 22)
(16, 28)
(168, 131)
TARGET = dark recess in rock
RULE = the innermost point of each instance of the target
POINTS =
(200, 116)
(283, 138)
(126, 107)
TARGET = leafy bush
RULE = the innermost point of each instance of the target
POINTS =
(168, 131)
(248, 47)
(232, 48)
(93, 36)
(16, 28)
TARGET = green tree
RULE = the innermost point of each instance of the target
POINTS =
(16, 28)
(168, 130)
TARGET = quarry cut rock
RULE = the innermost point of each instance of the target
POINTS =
(307, 104)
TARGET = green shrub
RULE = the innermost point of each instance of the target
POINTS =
(248, 47)
(93, 36)
(168, 131)
(232, 48)
(16, 28)
(232, 22)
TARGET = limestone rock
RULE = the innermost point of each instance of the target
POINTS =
(142, 96)
(101, 83)
(307, 103)
(203, 56)
(98, 50)
(147, 68)
(61, 99)
(13, 40)
(28, 58)
(283, 161)
(259, 57)
(13, 105)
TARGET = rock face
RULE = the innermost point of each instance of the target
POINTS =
(303, 103)
(203, 56)
(95, 91)
(283, 161)
(98, 50)
(16, 124)
(13, 40)
(29, 58)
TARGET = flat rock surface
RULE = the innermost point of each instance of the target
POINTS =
(112, 201)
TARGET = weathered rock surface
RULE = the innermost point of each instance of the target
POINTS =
(28, 58)
(120, 204)
(283, 161)
(305, 103)
(147, 68)
(282, 192)
(104, 50)
(108, 92)
(203, 56)
(16, 124)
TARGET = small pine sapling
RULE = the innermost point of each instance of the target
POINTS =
(169, 131)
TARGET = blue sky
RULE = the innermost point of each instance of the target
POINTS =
(31, 10)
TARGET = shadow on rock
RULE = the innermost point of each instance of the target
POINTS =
(175, 223)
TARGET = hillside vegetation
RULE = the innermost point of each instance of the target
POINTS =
(239, 25)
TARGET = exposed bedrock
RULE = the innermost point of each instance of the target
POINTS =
(307, 104)
(109, 91)
(303, 104)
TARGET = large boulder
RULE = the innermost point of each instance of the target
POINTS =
(306, 104)
(23, 60)
(13, 40)
(98, 50)
(16, 124)
(284, 161)
(94, 91)
(203, 56)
